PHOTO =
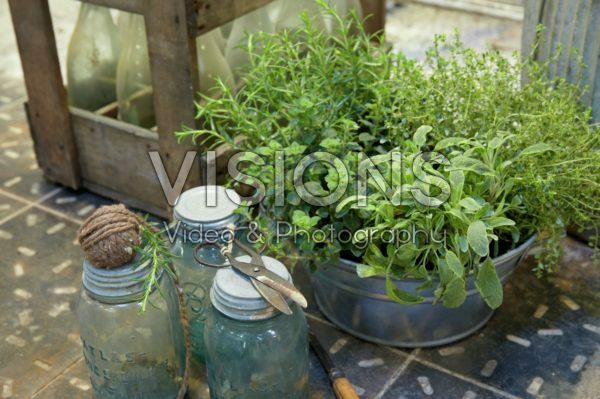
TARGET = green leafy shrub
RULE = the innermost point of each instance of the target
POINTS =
(519, 159)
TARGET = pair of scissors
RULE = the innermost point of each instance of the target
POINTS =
(269, 285)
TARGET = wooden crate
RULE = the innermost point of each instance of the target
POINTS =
(93, 150)
(569, 24)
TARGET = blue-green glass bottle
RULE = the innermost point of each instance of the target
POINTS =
(201, 214)
(130, 354)
(252, 350)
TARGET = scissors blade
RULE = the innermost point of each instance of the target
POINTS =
(267, 277)
(282, 286)
(272, 296)
(268, 293)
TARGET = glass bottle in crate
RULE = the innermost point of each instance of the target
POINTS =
(211, 62)
(92, 59)
(200, 217)
(134, 84)
(343, 8)
(130, 354)
(253, 22)
(220, 39)
(290, 11)
(273, 9)
(252, 350)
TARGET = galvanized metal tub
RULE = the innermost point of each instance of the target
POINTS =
(361, 307)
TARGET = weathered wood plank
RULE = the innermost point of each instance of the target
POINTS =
(533, 12)
(596, 98)
(47, 110)
(566, 43)
(211, 14)
(376, 9)
(572, 26)
(173, 65)
(214, 13)
(582, 21)
(591, 52)
(557, 24)
(132, 201)
(134, 6)
(114, 161)
(548, 18)
(561, 26)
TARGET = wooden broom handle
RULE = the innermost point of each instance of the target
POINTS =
(344, 389)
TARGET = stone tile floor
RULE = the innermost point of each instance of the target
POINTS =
(543, 343)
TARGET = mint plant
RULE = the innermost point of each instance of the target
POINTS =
(517, 159)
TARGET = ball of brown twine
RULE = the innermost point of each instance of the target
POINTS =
(108, 236)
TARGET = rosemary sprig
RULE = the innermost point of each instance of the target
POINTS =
(154, 248)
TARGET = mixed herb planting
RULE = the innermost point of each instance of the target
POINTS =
(503, 160)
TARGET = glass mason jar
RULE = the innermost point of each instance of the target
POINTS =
(199, 218)
(269, 349)
(130, 354)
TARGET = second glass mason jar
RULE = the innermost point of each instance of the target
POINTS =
(130, 355)
(252, 350)
(201, 214)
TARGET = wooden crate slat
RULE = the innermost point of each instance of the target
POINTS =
(173, 63)
(214, 13)
(114, 160)
(134, 6)
(47, 111)
(129, 200)
(211, 14)
(377, 10)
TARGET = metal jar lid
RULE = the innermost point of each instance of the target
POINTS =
(121, 284)
(209, 207)
(234, 295)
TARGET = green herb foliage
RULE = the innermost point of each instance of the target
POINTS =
(520, 159)
(153, 248)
